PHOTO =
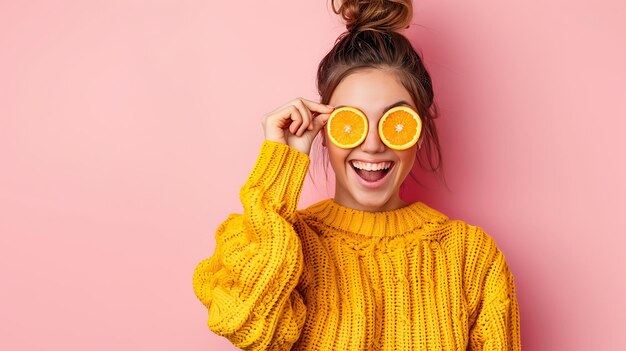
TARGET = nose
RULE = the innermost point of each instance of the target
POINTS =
(372, 143)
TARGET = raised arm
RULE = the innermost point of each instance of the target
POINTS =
(248, 284)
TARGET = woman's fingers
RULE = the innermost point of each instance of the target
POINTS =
(296, 123)
(305, 114)
(305, 108)
(294, 115)
(300, 112)
(317, 107)
(310, 104)
(319, 121)
(288, 117)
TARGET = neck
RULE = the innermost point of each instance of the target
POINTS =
(394, 203)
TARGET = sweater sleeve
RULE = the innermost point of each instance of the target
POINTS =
(496, 319)
(248, 284)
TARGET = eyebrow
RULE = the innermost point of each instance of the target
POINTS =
(386, 108)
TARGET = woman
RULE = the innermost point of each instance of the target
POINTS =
(363, 270)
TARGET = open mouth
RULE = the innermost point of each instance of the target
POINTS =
(372, 172)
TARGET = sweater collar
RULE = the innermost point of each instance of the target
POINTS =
(414, 217)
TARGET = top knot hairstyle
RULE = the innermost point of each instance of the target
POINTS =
(372, 40)
(381, 16)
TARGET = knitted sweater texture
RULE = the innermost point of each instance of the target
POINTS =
(330, 277)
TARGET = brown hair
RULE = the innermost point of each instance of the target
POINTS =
(372, 41)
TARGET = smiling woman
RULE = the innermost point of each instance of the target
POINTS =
(363, 270)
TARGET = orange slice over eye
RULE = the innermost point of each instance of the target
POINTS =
(347, 127)
(400, 127)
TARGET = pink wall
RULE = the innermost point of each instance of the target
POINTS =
(128, 127)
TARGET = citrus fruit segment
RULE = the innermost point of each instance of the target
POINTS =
(400, 127)
(347, 127)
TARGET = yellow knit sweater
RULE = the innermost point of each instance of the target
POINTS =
(332, 278)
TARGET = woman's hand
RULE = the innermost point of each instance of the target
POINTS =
(296, 123)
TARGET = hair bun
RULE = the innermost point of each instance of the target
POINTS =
(377, 15)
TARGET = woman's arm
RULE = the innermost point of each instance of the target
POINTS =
(496, 317)
(248, 284)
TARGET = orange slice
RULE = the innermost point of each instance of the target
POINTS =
(347, 127)
(400, 127)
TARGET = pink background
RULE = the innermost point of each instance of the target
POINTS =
(128, 127)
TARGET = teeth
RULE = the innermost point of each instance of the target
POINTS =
(371, 166)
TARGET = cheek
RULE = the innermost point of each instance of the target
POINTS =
(337, 156)
(407, 158)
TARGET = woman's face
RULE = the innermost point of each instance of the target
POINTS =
(373, 91)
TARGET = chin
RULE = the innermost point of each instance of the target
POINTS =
(372, 201)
